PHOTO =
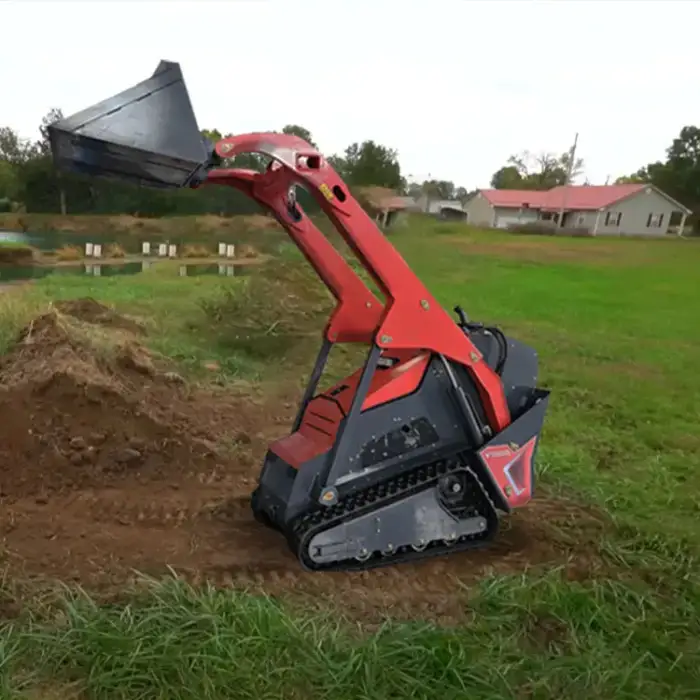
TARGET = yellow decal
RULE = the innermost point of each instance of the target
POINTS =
(326, 191)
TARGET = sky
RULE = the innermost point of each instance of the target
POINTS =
(456, 87)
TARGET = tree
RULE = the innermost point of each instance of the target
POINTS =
(38, 180)
(368, 164)
(246, 161)
(301, 132)
(54, 114)
(436, 189)
(212, 135)
(679, 174)
(462, 194)
(9, 181)
(13, 148)
(527, 171)
(685, 150)
(414, 189)
(439, 189)
(642, 175)
(43, 147)
(14, 153)
(507, 178)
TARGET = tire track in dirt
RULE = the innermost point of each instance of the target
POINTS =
(100, 537)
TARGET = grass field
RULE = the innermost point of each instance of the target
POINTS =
(616, 326)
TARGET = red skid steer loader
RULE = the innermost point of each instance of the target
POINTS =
(415, 453)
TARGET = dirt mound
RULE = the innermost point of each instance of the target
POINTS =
(91, 311)
(110, 463)
(73, 410)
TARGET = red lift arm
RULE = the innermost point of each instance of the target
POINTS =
(410, 318)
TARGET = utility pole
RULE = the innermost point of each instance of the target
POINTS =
(569, 170)
(426, 192)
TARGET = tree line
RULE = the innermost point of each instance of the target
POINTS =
(29, 181)
(678, 174)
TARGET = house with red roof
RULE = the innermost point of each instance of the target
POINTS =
(631, 209)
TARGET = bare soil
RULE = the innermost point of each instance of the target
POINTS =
(110, 463)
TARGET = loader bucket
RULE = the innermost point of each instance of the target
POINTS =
(146, 135)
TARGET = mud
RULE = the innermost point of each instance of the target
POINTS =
(111, 464)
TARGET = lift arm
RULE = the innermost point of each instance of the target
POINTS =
(358, 312)
(411, 318)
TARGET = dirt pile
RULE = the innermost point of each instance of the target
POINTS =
(17, 254)
(72, 402)
(110, 463)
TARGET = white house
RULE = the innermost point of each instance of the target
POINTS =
(633, 209)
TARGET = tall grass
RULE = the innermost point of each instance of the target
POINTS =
(538, 637)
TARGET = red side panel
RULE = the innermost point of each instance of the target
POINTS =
(401, 380)
(325, 412)
(512, 468)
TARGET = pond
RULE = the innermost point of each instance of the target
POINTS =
(11, 274)
(52, 240)
(57, 239)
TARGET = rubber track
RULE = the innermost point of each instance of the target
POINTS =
(379, 495)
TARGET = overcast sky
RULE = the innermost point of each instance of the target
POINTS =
(454, 86)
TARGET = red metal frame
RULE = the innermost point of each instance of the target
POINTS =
(410, 318)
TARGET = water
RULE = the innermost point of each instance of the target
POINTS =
(222, 269)
(32, 272)
(51, 242)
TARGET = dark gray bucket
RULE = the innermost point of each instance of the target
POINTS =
(147, 135)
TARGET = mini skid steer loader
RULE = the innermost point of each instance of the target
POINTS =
(415, 453)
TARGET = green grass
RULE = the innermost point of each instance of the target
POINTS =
(616, 326)
(620, 350)
(529, 636)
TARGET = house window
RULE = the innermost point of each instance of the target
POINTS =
(580, 220)
(655, 220)
(613, 218)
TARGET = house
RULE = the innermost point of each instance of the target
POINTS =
(632, 209)
(385, 205)
(451, 209)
